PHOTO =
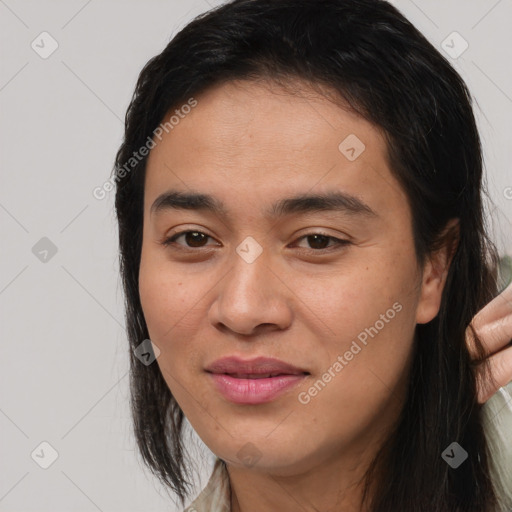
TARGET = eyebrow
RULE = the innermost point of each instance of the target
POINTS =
(300, 204)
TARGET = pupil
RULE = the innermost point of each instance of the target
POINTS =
(194, 242)
(316, 238)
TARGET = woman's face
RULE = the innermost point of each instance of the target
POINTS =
(252, 280)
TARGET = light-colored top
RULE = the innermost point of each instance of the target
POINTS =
(498, 431)
(216, 495)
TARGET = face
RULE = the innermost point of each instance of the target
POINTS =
(323, 296)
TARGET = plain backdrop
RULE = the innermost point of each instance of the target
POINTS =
(63, 360)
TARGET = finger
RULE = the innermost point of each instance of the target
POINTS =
(501, 370)
(494, 336)
(499, 307)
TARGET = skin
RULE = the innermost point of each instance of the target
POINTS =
(493, 325)
(250, 144)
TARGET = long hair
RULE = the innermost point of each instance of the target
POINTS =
(387, 71)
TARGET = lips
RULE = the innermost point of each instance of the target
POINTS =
(254, 381)
(259, 367)
(255, 375)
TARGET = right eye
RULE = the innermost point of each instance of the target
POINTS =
(192, 237)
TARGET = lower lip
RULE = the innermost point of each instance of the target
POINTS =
(254, 391)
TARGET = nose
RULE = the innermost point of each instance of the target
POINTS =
(251, 299)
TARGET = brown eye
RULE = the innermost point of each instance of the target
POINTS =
(192, 239)
(195, 238)
(319, 242)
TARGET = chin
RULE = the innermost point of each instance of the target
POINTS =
(258, 453)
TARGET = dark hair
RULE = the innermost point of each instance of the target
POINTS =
(376, 61)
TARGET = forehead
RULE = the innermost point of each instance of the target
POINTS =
(258, 116)
(249, 140)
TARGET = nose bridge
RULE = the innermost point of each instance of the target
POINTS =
(249, 277)
(250, 293)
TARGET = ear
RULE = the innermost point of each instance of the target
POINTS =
(435, 272)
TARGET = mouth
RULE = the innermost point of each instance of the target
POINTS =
(259, 367)
(254, 381)
(256, 375)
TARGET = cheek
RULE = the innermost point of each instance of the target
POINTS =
(374, 331)
(168, 307)
(166, 294)
(155, 297)
(174, 310)
(371, 314)
(353, 299)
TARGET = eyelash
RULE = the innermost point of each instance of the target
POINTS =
(339, 243)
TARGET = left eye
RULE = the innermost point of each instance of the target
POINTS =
(318, 240)
(195, 239)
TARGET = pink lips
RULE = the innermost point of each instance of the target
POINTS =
(253, 381)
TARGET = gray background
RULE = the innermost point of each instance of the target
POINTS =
(63, 361)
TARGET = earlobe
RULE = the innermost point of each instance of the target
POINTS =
(435, 273)
(431, 292)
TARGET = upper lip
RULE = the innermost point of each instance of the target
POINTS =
(257, 366)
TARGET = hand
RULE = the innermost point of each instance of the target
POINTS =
(493, 325)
